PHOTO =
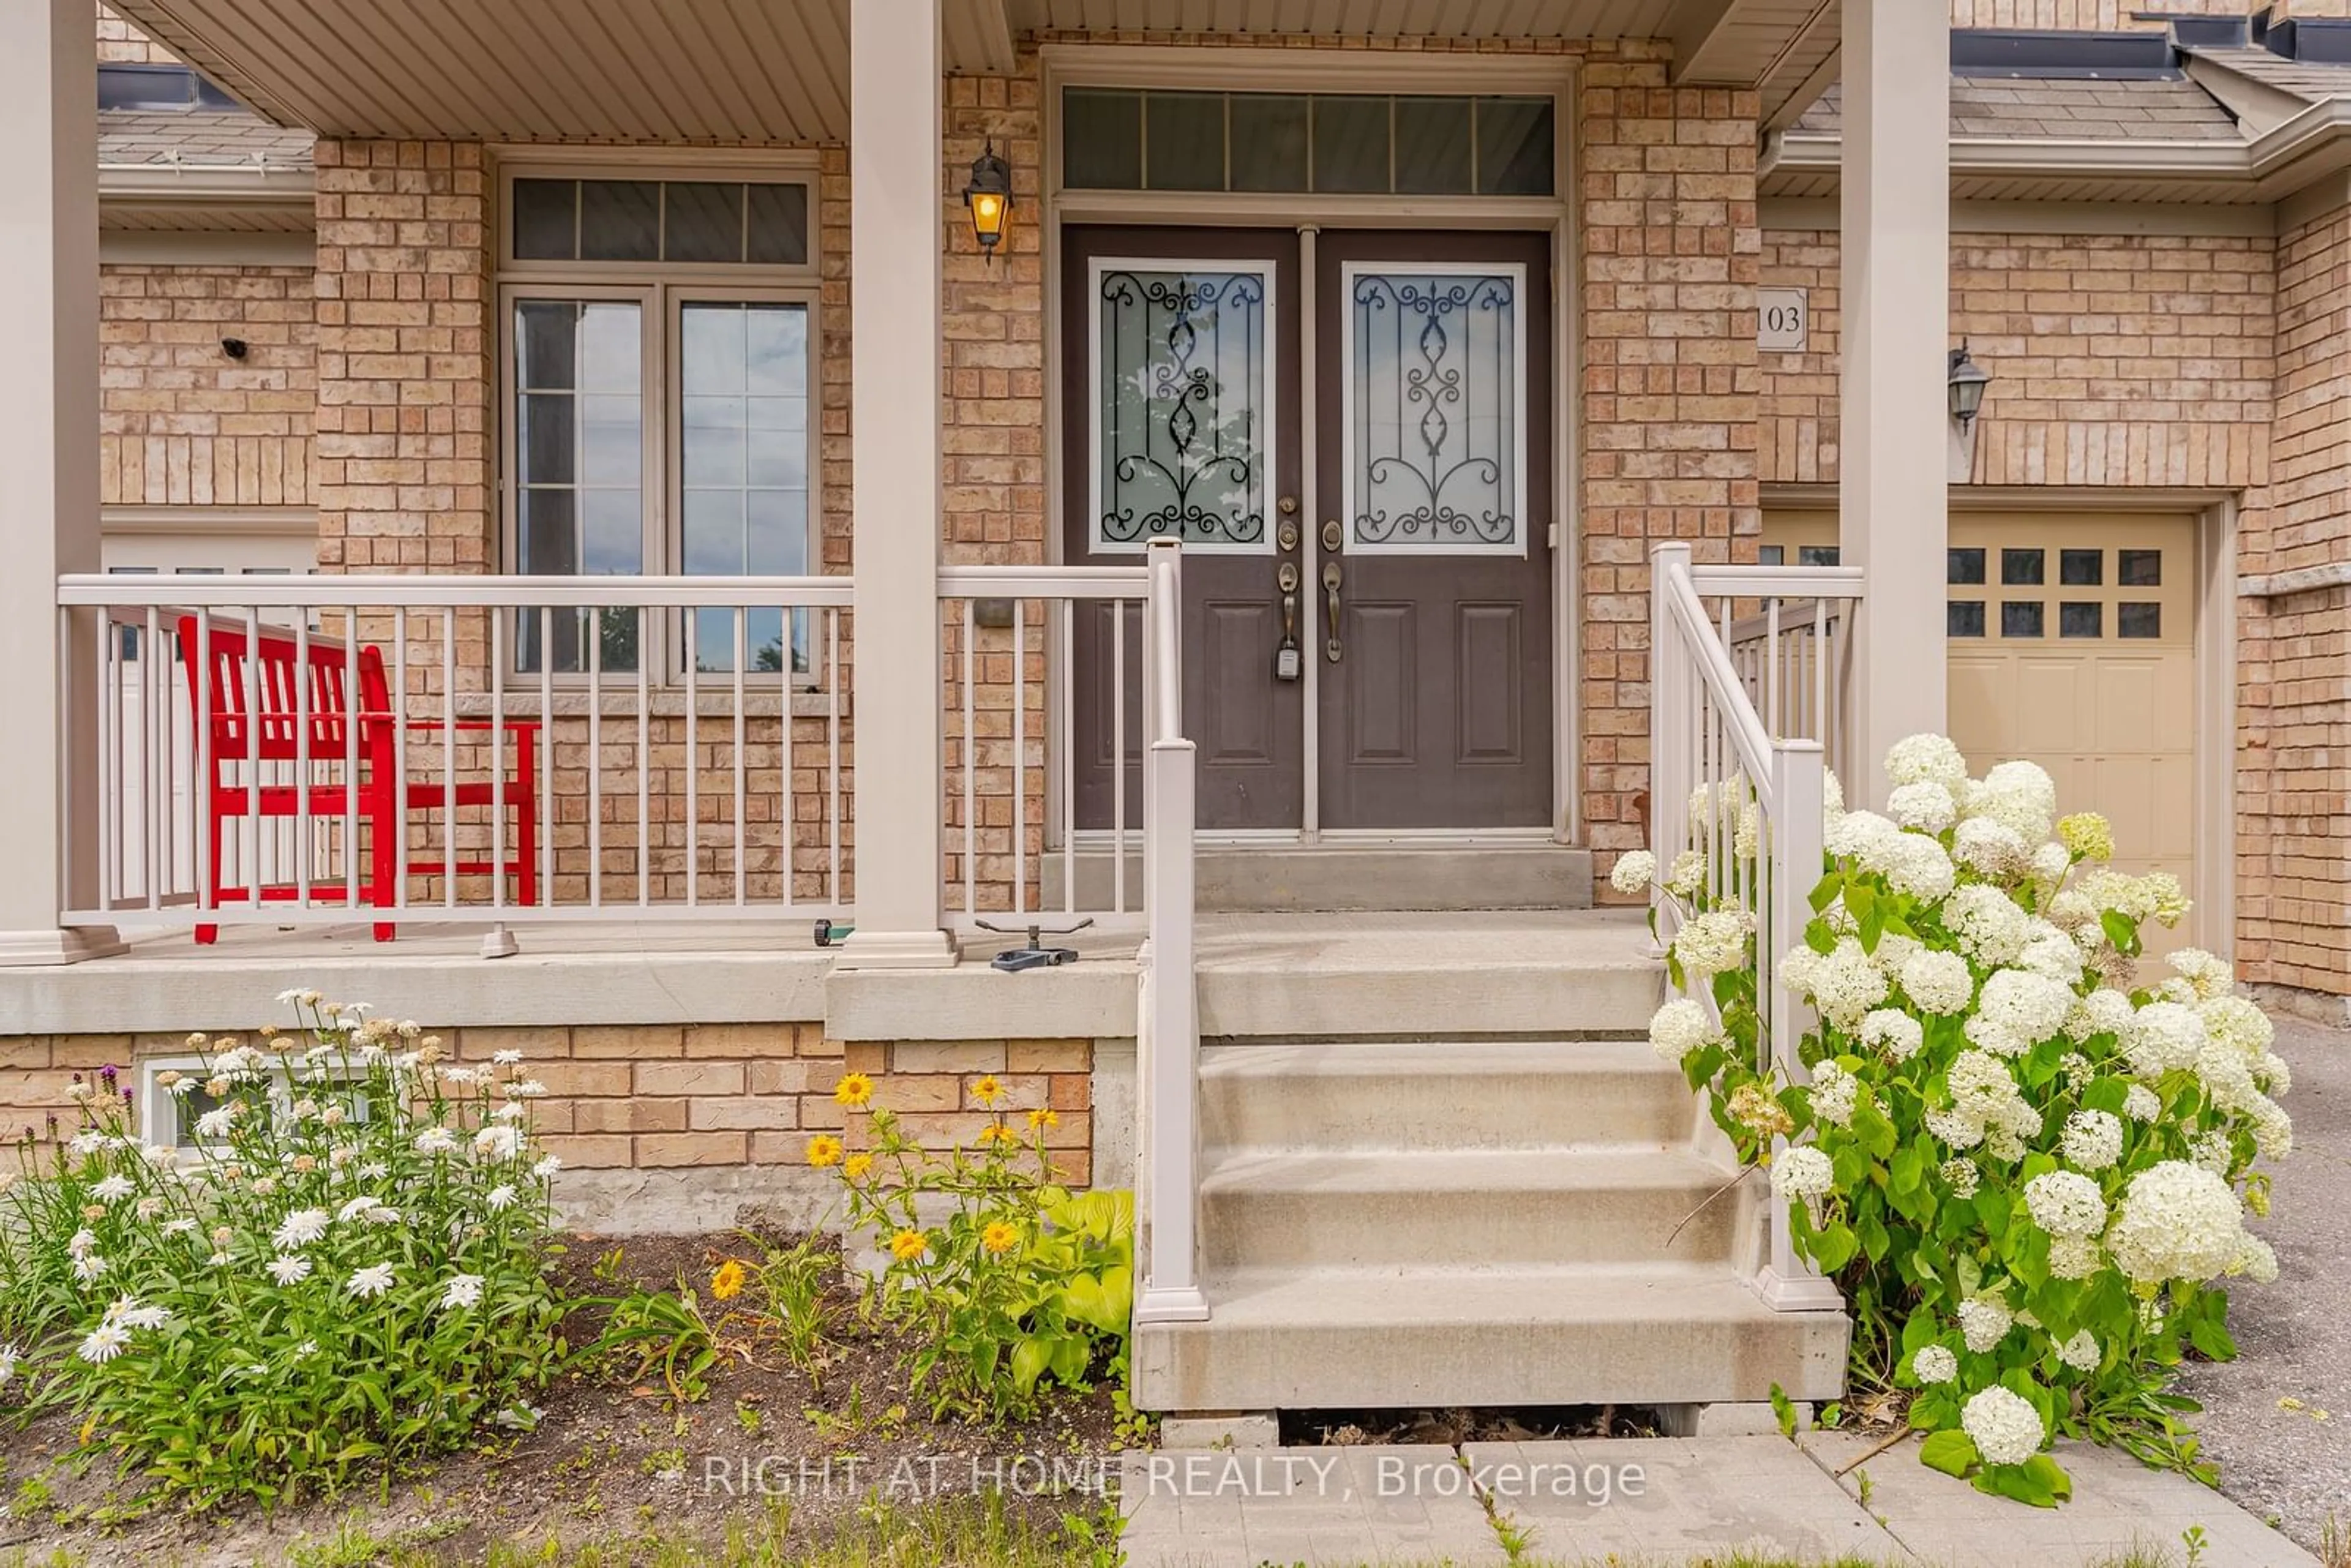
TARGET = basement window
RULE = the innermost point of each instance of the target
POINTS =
(158, 87)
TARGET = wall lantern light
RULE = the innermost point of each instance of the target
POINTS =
(988, 194)
(1967, 381)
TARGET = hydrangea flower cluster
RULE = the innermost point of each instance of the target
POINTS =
(2057, 1156)
(342, 1258)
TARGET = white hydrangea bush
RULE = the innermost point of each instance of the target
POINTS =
(2030, 1169)
(347, 1265)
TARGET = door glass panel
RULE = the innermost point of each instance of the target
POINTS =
(743, 372)
(578, 466)
(1435, 389)
(1185, 438)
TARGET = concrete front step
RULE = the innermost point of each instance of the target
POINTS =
(1351, 1095)
(1297, 879)
(1595, 1205)
(1320, 1339)
(1427, 977)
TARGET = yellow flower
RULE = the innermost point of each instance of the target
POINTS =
(854, 1089)
(2086, 836)
(727, 1282)
(987, 1091)
(989, 1137)
(1044, 1116)
(909, 1245)
(999, 1236)
(857, 1166)
(823, 1150)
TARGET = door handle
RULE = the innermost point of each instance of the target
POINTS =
(1331, 578)
(1285, 657)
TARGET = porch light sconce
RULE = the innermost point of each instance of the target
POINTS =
(988, 194)
(1966, 381)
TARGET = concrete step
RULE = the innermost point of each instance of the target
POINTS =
(1427, 977)
(1343, 1339)
(1361, 1095)
(1292, 879)
(1595, 1205)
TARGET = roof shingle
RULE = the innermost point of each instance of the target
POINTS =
(211, 137)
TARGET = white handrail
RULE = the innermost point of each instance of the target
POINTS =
(411, 590)
(1763, 795)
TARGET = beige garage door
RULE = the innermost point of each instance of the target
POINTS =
(2073, 644)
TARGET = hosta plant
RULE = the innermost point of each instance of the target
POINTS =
(346, 1266)
(1010, 1280)
(2027, 1167)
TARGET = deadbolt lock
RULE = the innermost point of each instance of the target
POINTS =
(1285, 536)
(1287, 504)
(1332, 538)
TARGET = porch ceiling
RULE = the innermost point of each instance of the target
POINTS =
(778, 70)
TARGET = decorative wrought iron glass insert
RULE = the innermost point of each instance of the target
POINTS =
(1121, 138)
(1435, 409)
(1184, 399)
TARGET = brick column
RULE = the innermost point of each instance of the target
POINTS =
(404, 469)
(1670, 247)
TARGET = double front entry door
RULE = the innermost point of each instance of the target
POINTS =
(1397, 627)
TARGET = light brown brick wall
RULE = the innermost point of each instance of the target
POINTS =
(2116, 360)
(180, 422)
(120, 43)
(648, 1096)
(1670, 389)
(2098, 16)
(2294, 778)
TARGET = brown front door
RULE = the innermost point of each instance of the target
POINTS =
(1433, 478)
(1414, 603)
(1180, 394)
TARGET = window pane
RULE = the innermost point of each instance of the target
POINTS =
(1514, 147)
(1964, 618)
(778, 523)
(702, 222)
(620, 220)
(545, 218)
(546, 444)
(579, 426)
(2138, 620)
(743, 397)
(1770, 555)
(1819, 554)
(1180, 428)
(1101, 139)
(1183, 140)
(546, 334)
(714, 533)
(2081, 568)
(1963, 566)
(779, 226)
(2023, 567)
(2020, 618)
(714, 441)
(612, 440)
(777, 356)
(549, 546)
(1436, 385)
(1433, 146)
(2081, 620)
(1351, 145)
(2139, 568)
(612, 533)
(611, 348)
(1269, 141)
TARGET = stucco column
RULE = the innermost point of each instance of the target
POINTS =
(48, 452)
(895, 198)
(1892, 501)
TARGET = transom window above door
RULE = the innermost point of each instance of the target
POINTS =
(1124, 139)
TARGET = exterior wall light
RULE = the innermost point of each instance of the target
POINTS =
(1967, 381)
(988, 194)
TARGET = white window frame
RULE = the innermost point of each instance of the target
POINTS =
(153, 1120)
(659, 290)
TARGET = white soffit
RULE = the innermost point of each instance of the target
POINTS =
(526, 70)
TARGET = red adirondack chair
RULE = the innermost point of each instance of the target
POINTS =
(241, 742)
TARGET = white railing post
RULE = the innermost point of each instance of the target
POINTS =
(1167, 1069)
(1669, 705)
(1799, 792)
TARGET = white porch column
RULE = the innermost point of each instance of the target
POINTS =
(895, 195)
(48, 471)
(1891, 496)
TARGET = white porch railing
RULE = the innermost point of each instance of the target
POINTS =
(1745, 708)
(413, 749)
(1167, 1028)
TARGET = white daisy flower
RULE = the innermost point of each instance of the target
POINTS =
(290, 1269)
(507, 1058)
(462, 1290)
(131, 1315)
(89, 1267)
(103, 1344)
(546, 1168)
(180, 1227)
(437, 1141)
(82, 1242)
(9, 1357)
(355, 1208)
(215, 1123)
(500, 1197)
(300, 1229)
(371, 1282)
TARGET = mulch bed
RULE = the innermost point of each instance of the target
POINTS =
(608, 1455)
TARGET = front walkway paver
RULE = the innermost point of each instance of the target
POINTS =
(2118, 1505)
(1658, 1501)
(1667, 1498)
